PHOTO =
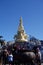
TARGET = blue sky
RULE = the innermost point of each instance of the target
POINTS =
(32, 15)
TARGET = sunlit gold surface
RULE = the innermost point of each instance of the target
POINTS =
(21, 35)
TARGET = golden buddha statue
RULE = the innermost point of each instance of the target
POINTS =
(21, 36)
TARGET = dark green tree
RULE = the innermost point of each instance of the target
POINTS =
(2, 40)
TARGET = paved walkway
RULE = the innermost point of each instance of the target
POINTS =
(42, 64)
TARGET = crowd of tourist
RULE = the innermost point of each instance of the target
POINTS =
(8, 56)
